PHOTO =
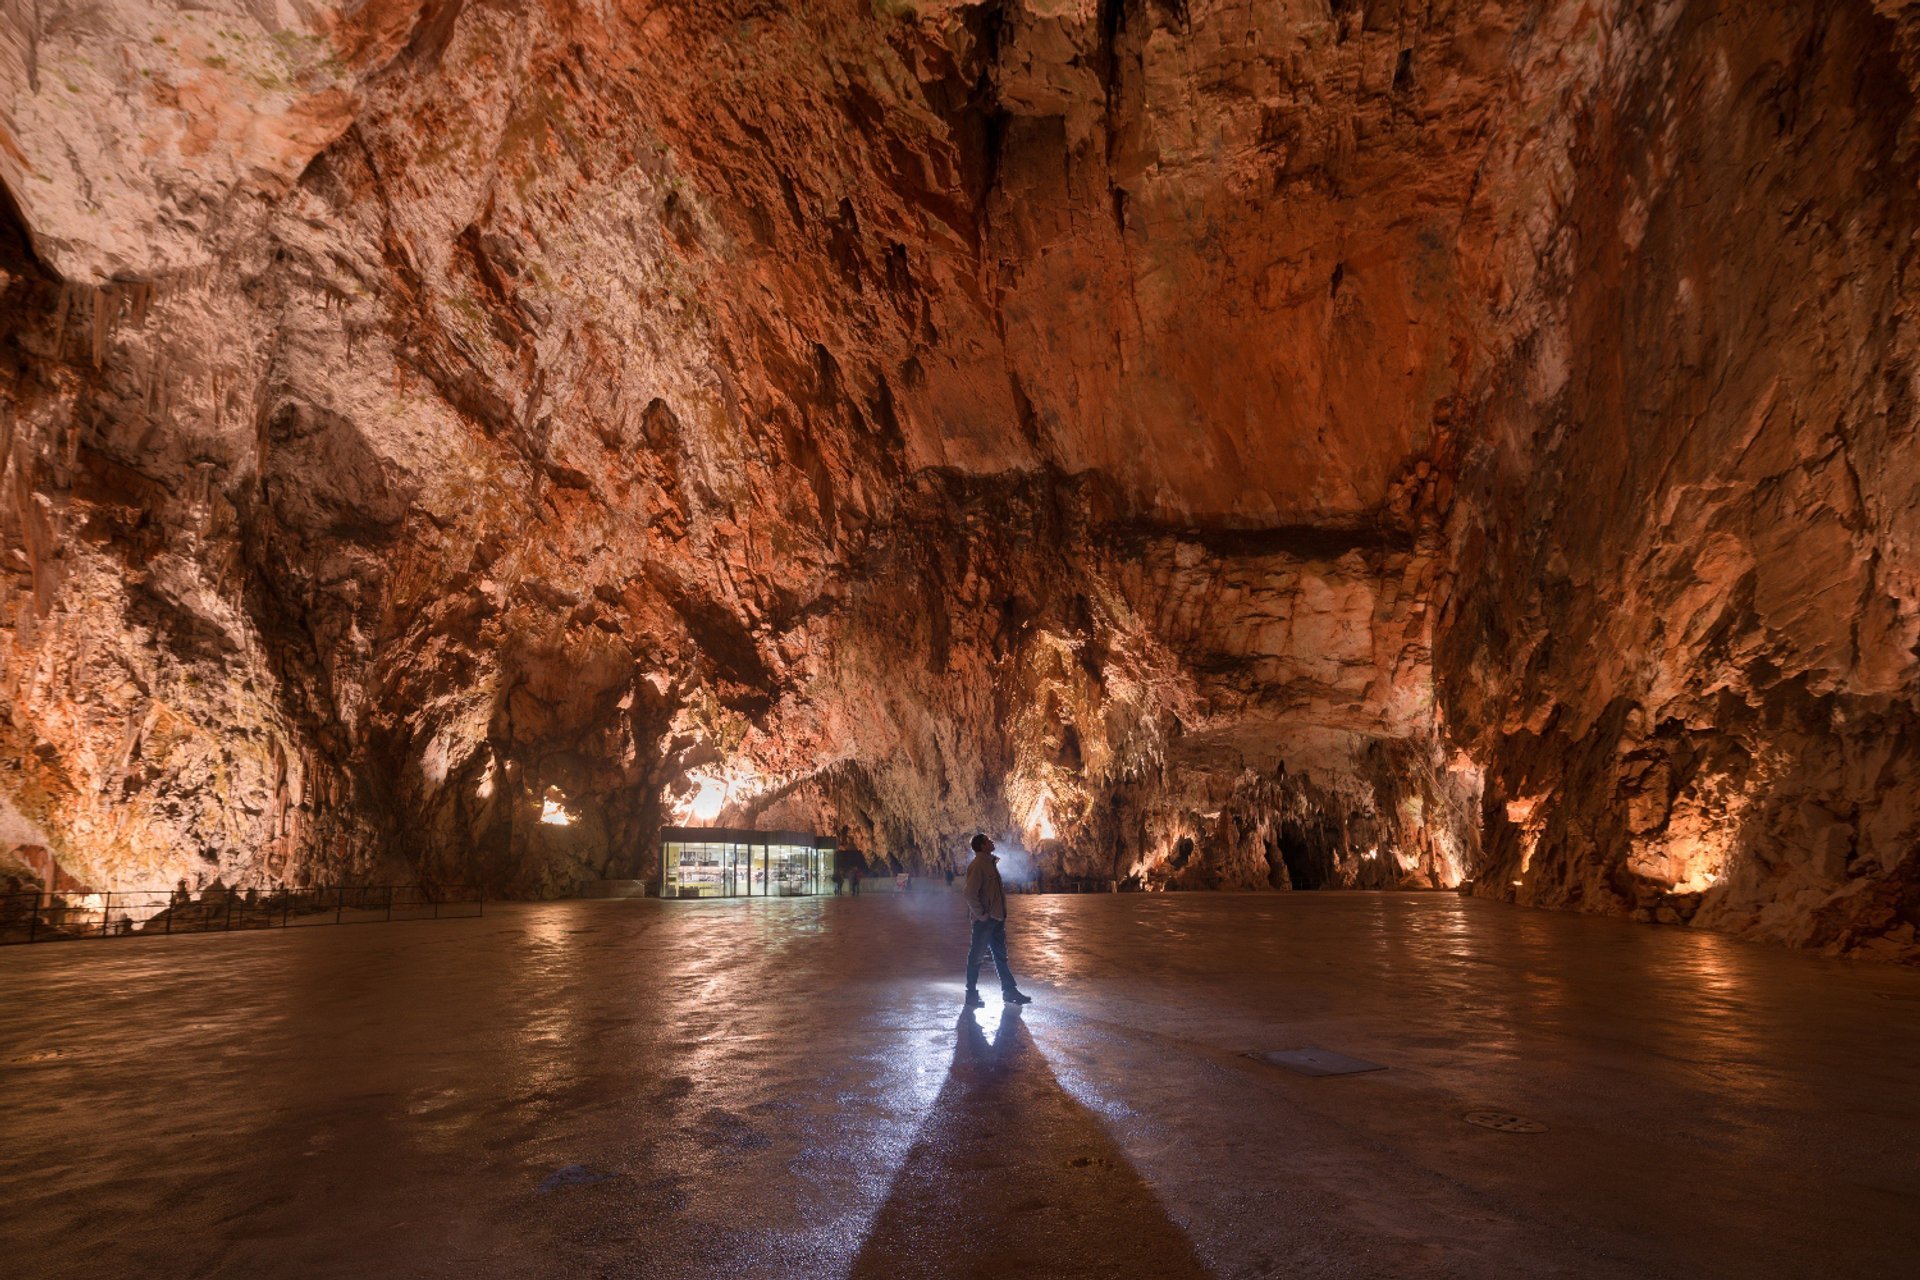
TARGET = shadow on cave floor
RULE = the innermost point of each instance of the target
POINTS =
(1010, 1175)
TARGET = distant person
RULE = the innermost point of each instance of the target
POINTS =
(949, 879)
(836, 884)
(856, 875)
(987, 904)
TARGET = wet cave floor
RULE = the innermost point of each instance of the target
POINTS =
(790, 1088)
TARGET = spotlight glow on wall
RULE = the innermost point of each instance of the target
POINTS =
(1040, 821)
(1690, 861)
(553, 809)
(709, 800)
(713, 792)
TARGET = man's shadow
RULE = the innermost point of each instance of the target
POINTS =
(1009, 1174)
(976, 1053)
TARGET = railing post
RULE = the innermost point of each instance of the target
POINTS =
(228, 927)
(33, 918)
(106, 913)
(286, 907)
(340, 904)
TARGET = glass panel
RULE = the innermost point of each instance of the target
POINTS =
(782, 882)
(669, 869)
(759, 871)
(701, 870)
(794, 862)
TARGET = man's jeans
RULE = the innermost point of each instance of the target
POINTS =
(989, 935)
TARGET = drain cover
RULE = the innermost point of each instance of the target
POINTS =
(1505, 1123)
(1317, 1062)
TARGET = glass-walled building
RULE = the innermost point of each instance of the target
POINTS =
(715, 862)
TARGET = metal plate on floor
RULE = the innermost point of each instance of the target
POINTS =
(1317, 1062)
(1504, 1122)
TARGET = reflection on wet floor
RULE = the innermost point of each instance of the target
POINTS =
(1009, 1175)
(788, 1088)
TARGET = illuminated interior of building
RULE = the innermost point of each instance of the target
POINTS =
(715, 862)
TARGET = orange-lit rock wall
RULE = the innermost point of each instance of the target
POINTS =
(1684, 642)
(1237, 444)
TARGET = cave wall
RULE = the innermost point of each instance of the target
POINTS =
(1238, 444)
(1684, 640)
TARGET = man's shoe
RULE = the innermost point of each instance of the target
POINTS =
(1016, 997)
(973, 1000)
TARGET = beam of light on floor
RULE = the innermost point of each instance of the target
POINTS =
(920, 1063)
(978, 1186)
(987, 1016)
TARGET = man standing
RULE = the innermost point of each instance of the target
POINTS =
(987, 903)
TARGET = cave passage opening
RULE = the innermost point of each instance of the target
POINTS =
(1306, 858)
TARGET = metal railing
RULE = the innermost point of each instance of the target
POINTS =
(1075, 884)
(130, 913)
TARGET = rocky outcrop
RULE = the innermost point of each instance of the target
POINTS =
(1684, 639)
(1241, 444)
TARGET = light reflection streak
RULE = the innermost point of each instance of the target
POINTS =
(990, 1017)
(915, 1069)
(1050, 1040)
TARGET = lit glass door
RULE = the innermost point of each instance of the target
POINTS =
(783, 870)
(709, 873)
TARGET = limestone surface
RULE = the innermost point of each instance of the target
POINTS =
(1211, 443)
